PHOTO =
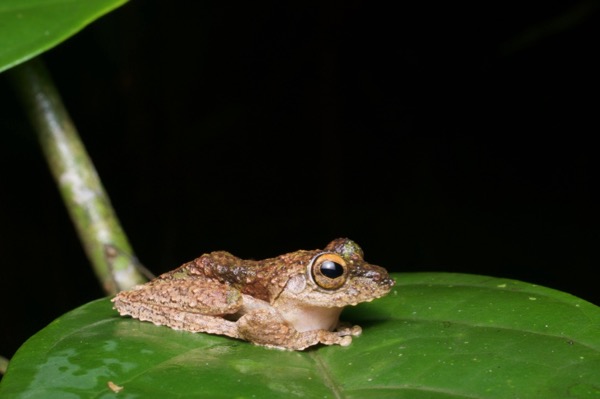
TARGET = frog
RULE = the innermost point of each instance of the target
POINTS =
(291, 302)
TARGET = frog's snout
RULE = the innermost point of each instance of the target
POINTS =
(384, 281)
(376, 274)
(389, 282)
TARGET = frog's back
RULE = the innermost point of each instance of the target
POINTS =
(263, 279)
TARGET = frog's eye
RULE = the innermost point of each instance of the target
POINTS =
(329, 271)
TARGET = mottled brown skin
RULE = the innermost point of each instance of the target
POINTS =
(292, 301)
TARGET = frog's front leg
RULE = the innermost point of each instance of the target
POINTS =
(266, 327)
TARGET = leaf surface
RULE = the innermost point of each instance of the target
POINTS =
(30, 27)
(436, 335)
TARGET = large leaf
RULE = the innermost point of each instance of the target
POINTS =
(435, 336)
(30, 27)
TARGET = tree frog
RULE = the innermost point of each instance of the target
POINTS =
(292, 301)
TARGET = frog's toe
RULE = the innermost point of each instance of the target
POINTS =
(347, 330)
(356, 331)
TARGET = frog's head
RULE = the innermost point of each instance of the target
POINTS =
(338, 276)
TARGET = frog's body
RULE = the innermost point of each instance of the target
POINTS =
(292, 301)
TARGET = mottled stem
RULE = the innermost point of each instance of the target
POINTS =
(3, 365)
(99, 229)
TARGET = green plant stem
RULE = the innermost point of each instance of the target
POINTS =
(104, 240)
(3, 365)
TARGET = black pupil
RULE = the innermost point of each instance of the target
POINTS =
(331, 269)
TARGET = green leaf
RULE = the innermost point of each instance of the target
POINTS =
(30, 27)
(436, 335)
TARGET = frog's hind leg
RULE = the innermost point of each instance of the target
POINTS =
(180, 320)
(195, 305)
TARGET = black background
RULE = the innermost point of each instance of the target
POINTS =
(440, 138)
